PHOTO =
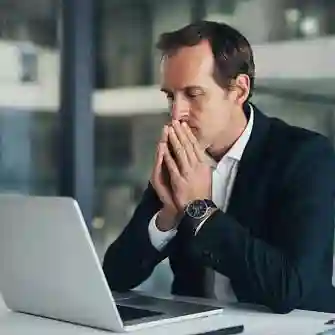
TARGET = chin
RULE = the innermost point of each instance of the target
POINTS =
(202, 142)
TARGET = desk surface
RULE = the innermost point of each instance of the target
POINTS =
(255, 322)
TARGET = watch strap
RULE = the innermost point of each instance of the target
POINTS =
(195, 224)
(197, 227)
(210, 203)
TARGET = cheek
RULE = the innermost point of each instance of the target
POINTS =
(207, 114)
(200, 108)
(201, 114)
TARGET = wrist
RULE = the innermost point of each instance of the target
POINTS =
(167, 219)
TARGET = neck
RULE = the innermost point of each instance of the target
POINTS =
(227, 139)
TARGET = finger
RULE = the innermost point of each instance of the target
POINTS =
(178, 149)
(160, 179)
(158, 160)
(165, 134)
(185, 142)
(171, 164)
(160, 150)
(200, 154)
(160, 175)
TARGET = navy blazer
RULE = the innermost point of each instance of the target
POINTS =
(275, 241)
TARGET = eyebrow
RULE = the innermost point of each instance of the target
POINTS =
(193, 87)
(165, 90)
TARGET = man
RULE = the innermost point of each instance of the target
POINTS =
(246, 213)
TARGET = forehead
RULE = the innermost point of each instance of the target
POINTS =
(188, 66)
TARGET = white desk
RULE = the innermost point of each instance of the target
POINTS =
(255, 323)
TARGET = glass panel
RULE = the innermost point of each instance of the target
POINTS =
(29, 96)
(315, 115)
(123, 43)
(263, 21)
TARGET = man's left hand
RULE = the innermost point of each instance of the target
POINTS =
(190, 173)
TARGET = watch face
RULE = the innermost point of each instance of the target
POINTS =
(197, 209)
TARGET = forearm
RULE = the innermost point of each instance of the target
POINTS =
(267, 275)
(130, 260)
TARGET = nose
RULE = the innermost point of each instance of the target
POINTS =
(179, 109)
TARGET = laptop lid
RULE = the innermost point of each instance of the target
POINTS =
(48, 264)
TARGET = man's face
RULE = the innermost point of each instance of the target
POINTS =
(194, 96)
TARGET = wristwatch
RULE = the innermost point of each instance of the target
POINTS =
(198, 211)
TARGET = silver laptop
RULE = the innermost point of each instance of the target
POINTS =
(49, 268)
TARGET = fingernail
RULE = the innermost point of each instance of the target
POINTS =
(184, 124)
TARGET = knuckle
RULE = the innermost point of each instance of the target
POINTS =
(186, 173)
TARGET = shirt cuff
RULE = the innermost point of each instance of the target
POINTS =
(158, 238)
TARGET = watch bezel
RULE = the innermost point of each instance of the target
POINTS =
(192, 204)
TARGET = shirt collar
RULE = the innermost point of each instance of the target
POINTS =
(236, 151)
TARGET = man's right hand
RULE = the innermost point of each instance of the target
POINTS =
(167, 218)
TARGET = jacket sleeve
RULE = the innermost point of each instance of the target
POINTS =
(281, 274)
(131, 259)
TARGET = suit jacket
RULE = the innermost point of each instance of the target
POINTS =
(275, 241)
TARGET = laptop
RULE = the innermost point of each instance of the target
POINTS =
(49, 268)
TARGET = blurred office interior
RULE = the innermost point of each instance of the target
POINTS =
(294, 45)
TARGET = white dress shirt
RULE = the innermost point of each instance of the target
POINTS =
(223, 177)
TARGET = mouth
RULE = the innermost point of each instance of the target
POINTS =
(192, 126)
(194, 130)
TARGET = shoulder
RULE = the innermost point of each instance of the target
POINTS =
(299, 150)
(284, 139)
(297, 140)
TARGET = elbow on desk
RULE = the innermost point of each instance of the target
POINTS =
(294, 286)
(284, 306)
(289, 294)
(287, 302)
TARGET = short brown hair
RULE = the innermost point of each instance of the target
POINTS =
(231, 50)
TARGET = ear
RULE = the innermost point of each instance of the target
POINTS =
(241, 88)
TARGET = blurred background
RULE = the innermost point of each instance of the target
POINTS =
(80, 110)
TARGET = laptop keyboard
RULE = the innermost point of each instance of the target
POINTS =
(177, 307)
(130, 313)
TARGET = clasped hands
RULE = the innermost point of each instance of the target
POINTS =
(190, 176)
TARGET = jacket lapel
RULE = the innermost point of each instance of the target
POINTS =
(241, 203)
